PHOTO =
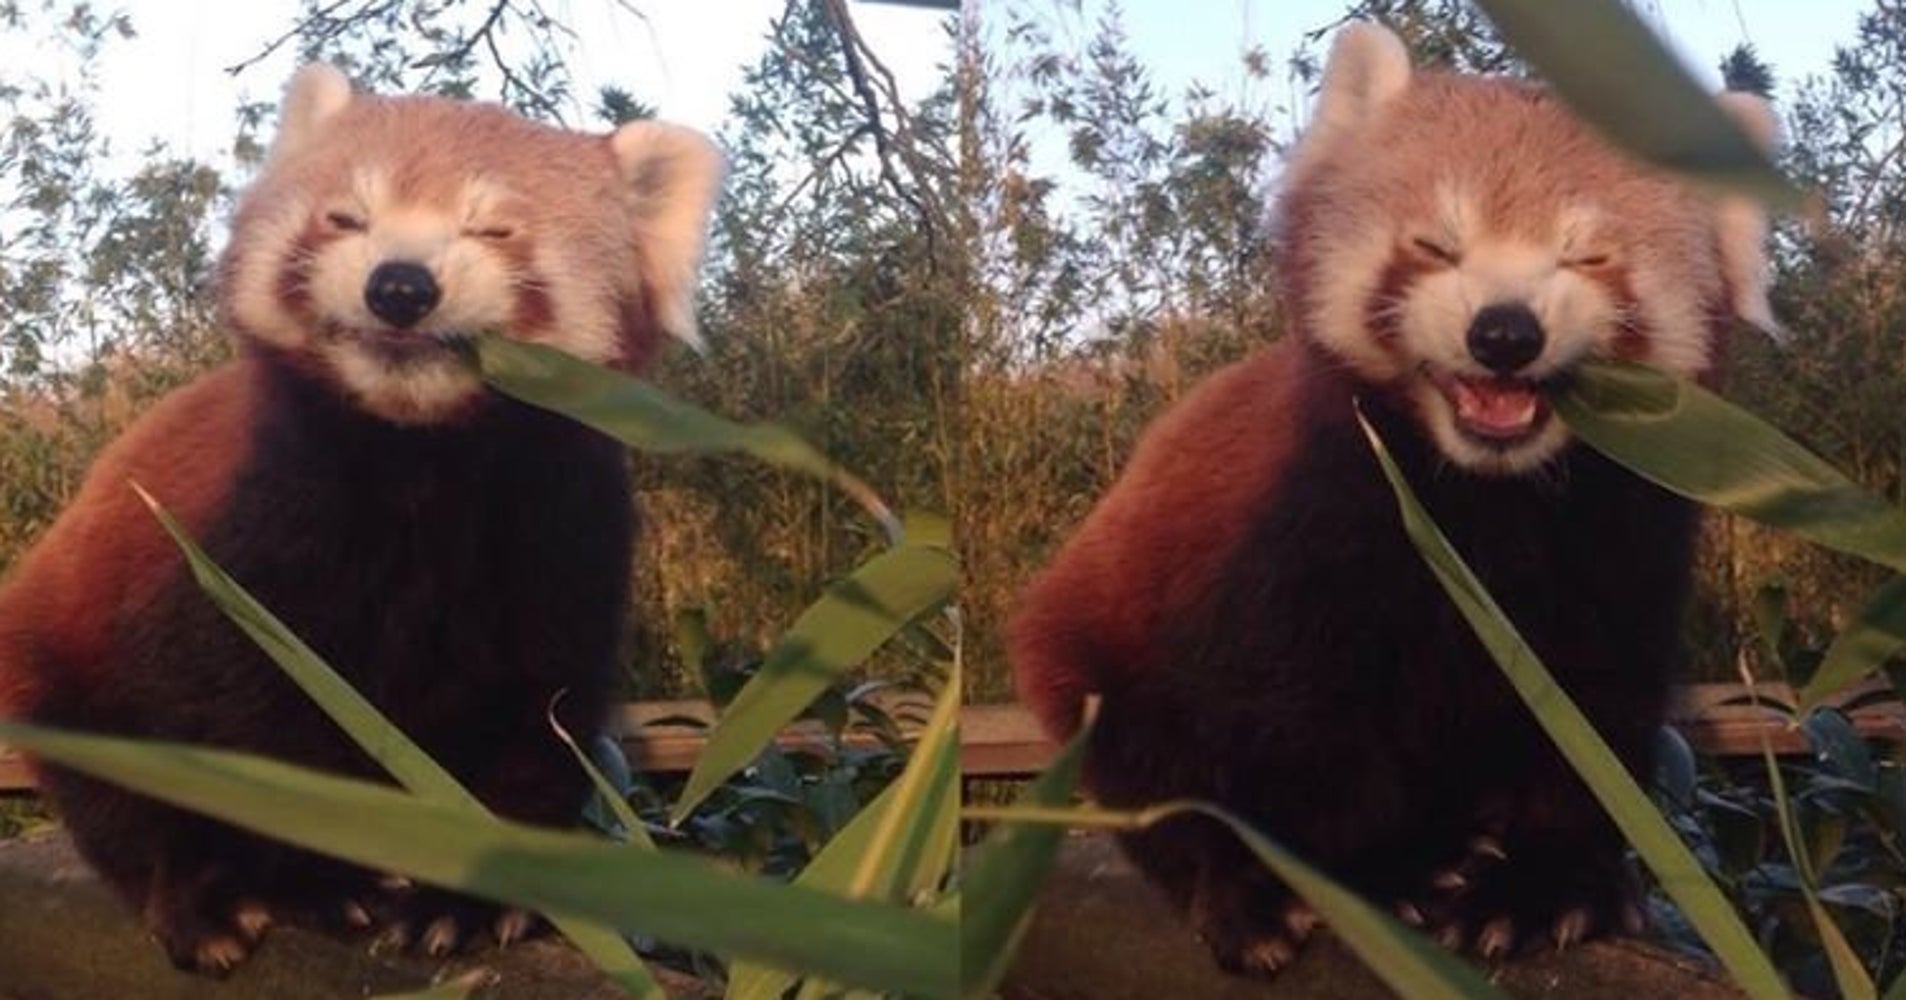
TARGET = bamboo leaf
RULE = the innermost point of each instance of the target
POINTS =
(1001, 879)
(1412, 965)
(1876, 634)
(854, 618)
(1618, 76)
(380, 739)
(1660, 849)
(896, 845)
(360, 720)
(606, 791)
(681, 899)
(1688, 440)
(644, 417)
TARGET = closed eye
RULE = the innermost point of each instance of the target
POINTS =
(491, 233)
(1437, 251)
(346, 222)
(1592, 260)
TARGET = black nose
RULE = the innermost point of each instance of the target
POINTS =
(401, 293)
(1505, 336)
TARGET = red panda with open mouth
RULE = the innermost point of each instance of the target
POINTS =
(1244, 599)
(460, 557)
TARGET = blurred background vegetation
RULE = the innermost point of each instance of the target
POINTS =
(975, 325)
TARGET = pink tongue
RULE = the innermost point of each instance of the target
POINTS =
(1495, 406)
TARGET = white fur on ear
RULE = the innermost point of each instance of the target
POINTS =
(1368, 67)
(315, 96)
(675, 173)
(1741, 224)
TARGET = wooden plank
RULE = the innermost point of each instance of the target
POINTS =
(1003, 741)
(1719, 720)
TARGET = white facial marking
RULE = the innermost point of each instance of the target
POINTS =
(254, 284)
(418, 392)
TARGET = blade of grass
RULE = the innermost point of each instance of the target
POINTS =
(380, 739)
(1688, 440)
(1412, 965)
(643, 417)
(1620, 78)
(855, 617)
(612, 798)
(1848, 973)
(677, 898)
(1661, 850)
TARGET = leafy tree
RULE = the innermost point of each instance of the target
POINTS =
(1742, 69)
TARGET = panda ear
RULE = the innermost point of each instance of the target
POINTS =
(674, 174)
(1368, 67)
(1741, 223)
(315, 96)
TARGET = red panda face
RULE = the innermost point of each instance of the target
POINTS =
(1463, 243)
(383, 232)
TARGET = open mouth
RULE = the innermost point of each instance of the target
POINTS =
(1496, 411)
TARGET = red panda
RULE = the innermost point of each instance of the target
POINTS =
(1244, 599)
(459, 556)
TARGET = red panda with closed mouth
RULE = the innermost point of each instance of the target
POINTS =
(1244, 600)
(459, 556)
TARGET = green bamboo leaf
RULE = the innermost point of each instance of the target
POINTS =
(644, 417)
(682, 899)
(1000, 881)
(898, 844)
(1619, 77)
(360, 720)
(913, 841)
(1688, 440)
(1876, 634)
(854, 618)
(606, 791)
(380, 739)
(1674, 866)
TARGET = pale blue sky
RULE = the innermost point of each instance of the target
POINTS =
(687, 56)
(1797, 36)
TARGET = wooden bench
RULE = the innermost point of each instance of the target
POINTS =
(1003, 741)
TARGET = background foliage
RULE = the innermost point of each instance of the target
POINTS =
(977, 300)
(831, 302)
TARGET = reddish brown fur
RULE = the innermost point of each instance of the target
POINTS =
(1176, 512)
(184, 452)
(1260, 630)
